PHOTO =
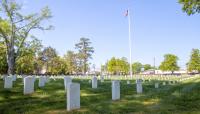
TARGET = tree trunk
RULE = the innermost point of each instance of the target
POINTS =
(85, 66)
(172, 72)
(11, 60)
(47, 67)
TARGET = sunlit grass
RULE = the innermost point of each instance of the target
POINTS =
(176, 98)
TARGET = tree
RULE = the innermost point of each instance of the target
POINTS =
(3, 64)
(85, 52)
(194, 62)
(27, 59)
(123, 65)
(190, 6)
(25, 64)
(38, 65)
(111, 65)
(16, 27)
(147, 67)
(47, 55)
(57, 66)
(117, 66)
(136, 67)
(71, 62)
(169, 63)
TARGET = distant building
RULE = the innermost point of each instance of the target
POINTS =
(43, 71)
(148, 72)
(160, 72)
(96, 71)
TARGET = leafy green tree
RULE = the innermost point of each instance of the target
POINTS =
(25, 62)
(85, 53)
(57, 66)
(194, 62)
(47, 55)
(15, 28)
(136, 67)
(112, 65)
(3, 63)
(190, 6)
(71, 62)
(147, 67)
(117, 66)
(169, 63)
(123, 65)
(38, 65)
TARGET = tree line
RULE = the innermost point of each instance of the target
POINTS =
(36, 59)
(170, 63)
(121, 66)
(19, 55)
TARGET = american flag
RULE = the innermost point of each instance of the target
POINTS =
(126, 13)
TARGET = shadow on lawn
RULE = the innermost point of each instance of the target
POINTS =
(178, 98)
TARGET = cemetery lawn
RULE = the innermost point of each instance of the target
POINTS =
(170, 99)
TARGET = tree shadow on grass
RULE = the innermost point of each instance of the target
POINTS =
(178, 98)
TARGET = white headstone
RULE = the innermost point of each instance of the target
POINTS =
(164, 83)
(174, 82)
(89, 81)
(42, 81)
(115, 90)
(52, 77)
(4, 77)
(23, 76)
(14, 77)
(73, 96)
(139, 86)
(128, 82)
(8, 82)
(28, 85)
(109, 77)
(156, 85)
(47, 79)
(102, 78)
(94, 82)
(34, 78)
(67, 80)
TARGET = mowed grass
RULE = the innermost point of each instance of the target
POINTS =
(182, 98)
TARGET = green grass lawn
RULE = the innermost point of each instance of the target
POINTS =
(181, 98)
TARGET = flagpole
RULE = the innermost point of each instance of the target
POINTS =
(130, 45)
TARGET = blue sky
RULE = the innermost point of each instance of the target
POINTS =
(158, 27)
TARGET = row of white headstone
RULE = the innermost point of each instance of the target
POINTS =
(28, 82)
(73, 91)
(9, 81)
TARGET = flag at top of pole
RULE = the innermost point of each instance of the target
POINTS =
(127, 14)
